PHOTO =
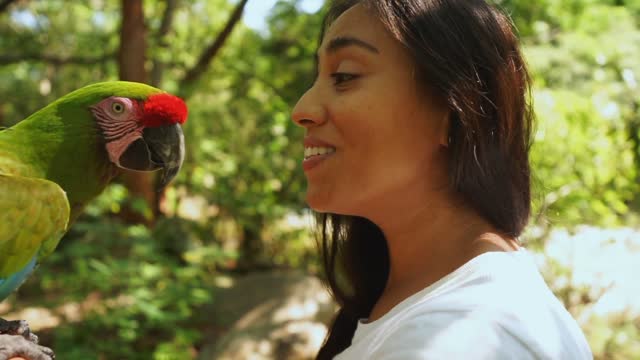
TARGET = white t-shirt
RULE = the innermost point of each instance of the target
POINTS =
(496, 306)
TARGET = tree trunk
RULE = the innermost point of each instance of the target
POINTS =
(633, 126)
(252, 246)
(4, 4)
(131, 61)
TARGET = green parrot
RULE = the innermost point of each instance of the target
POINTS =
(58, 159)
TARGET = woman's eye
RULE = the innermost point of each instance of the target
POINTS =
(340, 78)
(117, 107)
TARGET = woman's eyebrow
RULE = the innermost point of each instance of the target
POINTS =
(341, 42)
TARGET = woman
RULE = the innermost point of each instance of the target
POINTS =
(416, 157)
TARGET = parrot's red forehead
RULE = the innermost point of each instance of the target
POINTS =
(164, 109)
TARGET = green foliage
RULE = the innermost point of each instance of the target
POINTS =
(54, 29)
(242, 174)
(594, 178)
(247, 159)
(140, 296)
(586, 98)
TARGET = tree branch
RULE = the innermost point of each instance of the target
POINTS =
(254, 76)
(167, 19)
(6, 59)
(165, 26)
(4, 4)
(210, 52)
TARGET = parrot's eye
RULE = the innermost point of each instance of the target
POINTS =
(117, 107)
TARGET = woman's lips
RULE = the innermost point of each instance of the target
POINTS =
(313, 161)
(316, 151)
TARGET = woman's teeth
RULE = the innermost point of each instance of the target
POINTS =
(313, 151)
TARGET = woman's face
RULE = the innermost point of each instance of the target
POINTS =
(373, 136)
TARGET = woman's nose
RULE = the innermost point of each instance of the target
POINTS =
(309, 110)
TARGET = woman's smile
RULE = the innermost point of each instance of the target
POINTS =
(312, 161)
(315, 152)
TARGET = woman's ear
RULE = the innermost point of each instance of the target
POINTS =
(444, 131)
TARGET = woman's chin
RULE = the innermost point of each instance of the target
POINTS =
(320, 206)
(317, 207)
(321, 203)
(317, 200)
(327, 209)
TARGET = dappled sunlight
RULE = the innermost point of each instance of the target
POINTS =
(603, 259)
(296, 310)
(592, 270)
(230, 268)
(43, 318)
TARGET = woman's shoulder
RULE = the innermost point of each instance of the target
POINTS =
(497, 300)
(498, 281)
(479, 334)
(508, 295)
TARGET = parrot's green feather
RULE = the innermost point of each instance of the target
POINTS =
(51, 165)
(34, 216)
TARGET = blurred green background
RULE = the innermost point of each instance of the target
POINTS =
(137, 274)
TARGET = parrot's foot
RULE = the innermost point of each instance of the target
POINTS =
(17, 340)
(16, 346)
(17, 327)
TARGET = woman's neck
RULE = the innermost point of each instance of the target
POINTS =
(429, 241)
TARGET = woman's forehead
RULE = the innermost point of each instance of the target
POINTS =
(360, 26)
(358, 22)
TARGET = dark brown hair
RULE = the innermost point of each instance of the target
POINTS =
(467, 51)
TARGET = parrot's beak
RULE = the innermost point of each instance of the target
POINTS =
(166, 145)
(160, 147)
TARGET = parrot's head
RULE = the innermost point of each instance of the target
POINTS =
(141, 127)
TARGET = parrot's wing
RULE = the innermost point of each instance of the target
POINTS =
(34, 214)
